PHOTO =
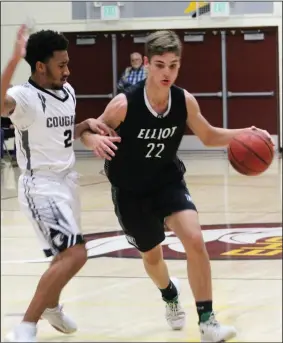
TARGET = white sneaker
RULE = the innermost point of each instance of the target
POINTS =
(57, 318)
(24, 332)
(213, 331)
(175, 315)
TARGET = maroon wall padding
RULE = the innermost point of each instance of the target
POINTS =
(200, 72)
(90, 108)
(91, 72)
(252, 66)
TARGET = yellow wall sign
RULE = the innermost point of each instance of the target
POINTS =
(194, 6)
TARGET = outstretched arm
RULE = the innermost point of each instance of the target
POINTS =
(209, 135)
(8, 103)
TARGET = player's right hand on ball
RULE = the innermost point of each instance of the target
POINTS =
(268, 135)
(104, 147)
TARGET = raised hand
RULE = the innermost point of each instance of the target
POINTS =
(21, 41)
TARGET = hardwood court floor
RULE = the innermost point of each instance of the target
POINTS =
(113, 300)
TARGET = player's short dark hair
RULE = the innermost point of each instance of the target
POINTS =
(161, 42)
(41, 46)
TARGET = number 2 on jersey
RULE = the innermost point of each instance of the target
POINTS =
(68, 140)
(155, 150)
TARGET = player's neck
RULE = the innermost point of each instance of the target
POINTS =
(156, 95)
(40, 82)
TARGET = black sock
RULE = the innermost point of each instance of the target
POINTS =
(204, 309)
(170, 292)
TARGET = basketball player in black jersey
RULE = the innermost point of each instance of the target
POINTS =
(148, 188)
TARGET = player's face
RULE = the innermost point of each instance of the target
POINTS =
(57, 70)
(163, 69)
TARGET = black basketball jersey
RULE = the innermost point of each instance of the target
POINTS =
(146, 158)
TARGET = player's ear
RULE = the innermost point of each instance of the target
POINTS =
(145, 61)
(40, 67)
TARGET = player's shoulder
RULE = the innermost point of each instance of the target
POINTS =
(25, 87)
(135, 89)
(134, 96)
(118, 104)
(24, 90)
(179, 93)
(70, 88)
(178, 89)
(184, 92)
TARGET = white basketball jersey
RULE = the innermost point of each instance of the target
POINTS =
(44, 123)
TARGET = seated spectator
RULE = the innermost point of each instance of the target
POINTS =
(7, 131)
(133, 74)
(2, 145)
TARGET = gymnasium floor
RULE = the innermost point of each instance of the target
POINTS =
(113, 300)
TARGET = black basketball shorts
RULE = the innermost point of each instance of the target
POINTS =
(142, 216)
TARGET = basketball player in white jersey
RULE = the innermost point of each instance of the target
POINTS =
(43, 113)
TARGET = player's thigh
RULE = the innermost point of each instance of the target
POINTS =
(73, 189)
(185, 224)
(176, 206)
(49, 205)
(143, 229)
(173, 198)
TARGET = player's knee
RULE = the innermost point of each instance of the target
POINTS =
(187, 228)
(80, 253)
(194, 243)
(153, 256)
(77, 255)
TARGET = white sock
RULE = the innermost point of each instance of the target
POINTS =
(28, 325)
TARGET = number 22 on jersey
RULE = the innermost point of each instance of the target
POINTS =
(155, 150)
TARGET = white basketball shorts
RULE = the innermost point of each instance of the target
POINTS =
(52, 204)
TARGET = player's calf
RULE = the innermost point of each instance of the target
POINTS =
(68, 263)
(156, 268)
(60, 272)
(186, 226)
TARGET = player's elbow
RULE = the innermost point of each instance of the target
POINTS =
(207, 141)
(215, 137)
(204, 136)
(7, 106)
(209, 136)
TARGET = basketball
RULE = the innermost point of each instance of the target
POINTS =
(251, 153)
